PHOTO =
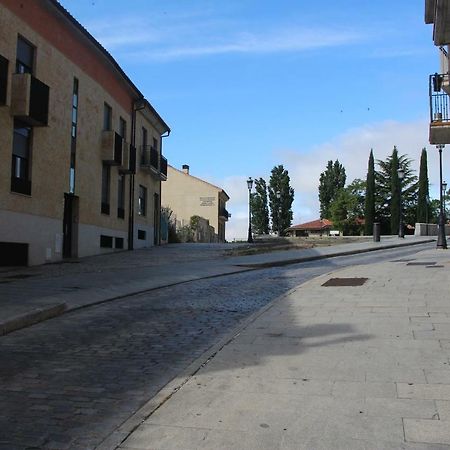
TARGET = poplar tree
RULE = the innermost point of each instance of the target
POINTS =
(280, 208)
(369, 207)
(260, 208)
(331, 181)
(423, 208)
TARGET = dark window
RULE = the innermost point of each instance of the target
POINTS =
(106, 241)
(144, 137)
(107, 117)
(142, 200)
(155, 144)
(119, 242)
(73, 136)
(121, 197)
(142, 235)
(106, 178)
(13, 254)
(3, 79)
(20, 168)
(123, 128)
(24, 56)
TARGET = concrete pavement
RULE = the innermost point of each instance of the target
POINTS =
(355, 359)
(30, 295)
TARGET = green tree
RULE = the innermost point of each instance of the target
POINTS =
(260, 208)
(383, 194)
(347, 208)
(280, 205)
(331, 181)
(369, 207)
(423, 207)
(395, 193)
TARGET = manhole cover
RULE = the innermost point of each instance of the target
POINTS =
(421, 263)
(345, 282)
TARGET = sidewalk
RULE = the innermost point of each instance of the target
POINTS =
(30, 295)
(324, 367)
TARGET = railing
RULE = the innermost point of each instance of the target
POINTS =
(224, 213)
(163, 166)
(149, 157)
(439, 99)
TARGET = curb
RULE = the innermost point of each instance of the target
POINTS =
(41, 314)
(35, 316)
(123, 431)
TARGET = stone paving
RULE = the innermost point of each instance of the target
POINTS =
(357, 367)
(69, 382)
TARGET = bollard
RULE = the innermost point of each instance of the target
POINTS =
(376, 231)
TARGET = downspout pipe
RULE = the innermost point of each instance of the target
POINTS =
(166, 134)
(138, 105)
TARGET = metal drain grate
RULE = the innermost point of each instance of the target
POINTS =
(421, 263)
(345, 282)
(402, 260)
(434, 267)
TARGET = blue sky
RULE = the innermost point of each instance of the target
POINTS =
(249, 84)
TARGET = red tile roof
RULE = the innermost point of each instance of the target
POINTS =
(320, 224)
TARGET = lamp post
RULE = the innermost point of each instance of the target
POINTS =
(278, 194)
(441, 242)
(401, 229)
(444, 191)
(249, 186)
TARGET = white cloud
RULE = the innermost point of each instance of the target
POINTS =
(200, 35)
(352, 149)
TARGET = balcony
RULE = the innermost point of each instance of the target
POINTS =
(163, 168)
(224, 214)
(439, 109)
(29, 99)
(3, 80)
(150, 159)
(129, 159)
(112, 148)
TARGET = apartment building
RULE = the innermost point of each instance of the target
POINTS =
(189, 196)
(437, 13)
(80, 147)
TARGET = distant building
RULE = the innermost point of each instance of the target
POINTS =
(189, 196)
(321, 227)
(80, 146)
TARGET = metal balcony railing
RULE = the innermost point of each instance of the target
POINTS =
(149, 157)
(439, 99)
(163, 166)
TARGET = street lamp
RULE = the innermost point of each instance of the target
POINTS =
(444, 189)
(278, 194)
(401, 230)
(250, 185)
(442, 241)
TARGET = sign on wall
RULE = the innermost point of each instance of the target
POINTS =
(207, 201)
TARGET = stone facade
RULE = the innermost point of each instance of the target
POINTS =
(57, 208)
(189, 196)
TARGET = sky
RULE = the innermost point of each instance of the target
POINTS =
(246, 85)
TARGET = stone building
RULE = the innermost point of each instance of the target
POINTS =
(80, 146)
(189, 196)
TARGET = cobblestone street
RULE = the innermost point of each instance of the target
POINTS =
(70, 381)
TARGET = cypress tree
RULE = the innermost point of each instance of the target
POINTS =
(369, 207)
(260, 208)
(422, 200)
(395, 193)
(280, 208)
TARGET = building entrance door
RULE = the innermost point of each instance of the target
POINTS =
(70, 226)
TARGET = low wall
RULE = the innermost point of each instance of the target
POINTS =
(429, 229)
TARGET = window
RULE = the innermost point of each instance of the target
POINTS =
(123, 128)
(20, 168)
(119, 242)
(107, 117)
(106, 177)
(24, 56)
(142, 235)
(142, 200)
(3, 79)
(155, 143)
(106, 241)
(73, 135)
(144, 137)
(121, 197)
